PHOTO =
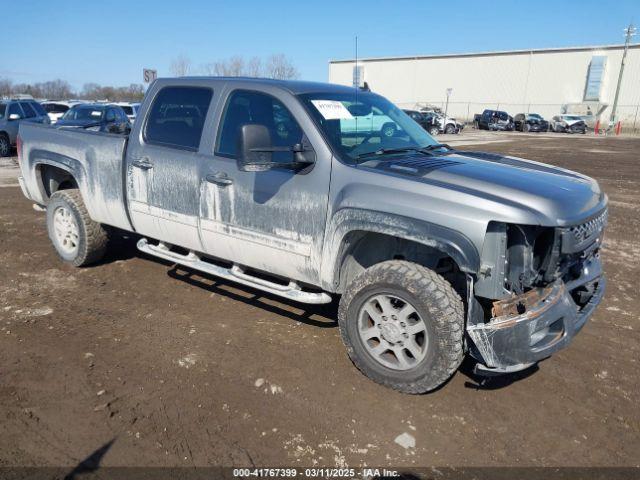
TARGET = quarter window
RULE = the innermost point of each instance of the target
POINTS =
(245, 107)
(177, 117)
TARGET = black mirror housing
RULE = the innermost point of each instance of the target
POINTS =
(254, 143)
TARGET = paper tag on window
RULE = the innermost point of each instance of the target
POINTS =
(332, 109)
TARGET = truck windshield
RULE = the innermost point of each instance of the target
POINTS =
(363, 124)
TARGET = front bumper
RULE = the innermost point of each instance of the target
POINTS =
(505, 127)
(531, 327)
(538, 127)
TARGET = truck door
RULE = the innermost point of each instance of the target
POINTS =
(163, 166)
(272, 220)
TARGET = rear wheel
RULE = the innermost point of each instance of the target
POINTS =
(434, 131)
(449, 129)
(526, 128)
(402, 325)
(77, 239)
(5, 146)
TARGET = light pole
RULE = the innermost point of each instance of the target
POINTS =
(446, 109)
(629, 32)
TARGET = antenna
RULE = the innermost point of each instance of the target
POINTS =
(357, 83)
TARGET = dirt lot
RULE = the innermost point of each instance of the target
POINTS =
(162, 367)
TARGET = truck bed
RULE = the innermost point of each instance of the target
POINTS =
(94, 159)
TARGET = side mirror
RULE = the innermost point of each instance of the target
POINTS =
(14, 116)
(256, 151)
(255, 148)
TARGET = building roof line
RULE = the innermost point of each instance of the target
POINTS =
(490, 53)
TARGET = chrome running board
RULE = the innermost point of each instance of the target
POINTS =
(236, 274)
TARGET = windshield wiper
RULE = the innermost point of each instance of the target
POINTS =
(389, 151)
(435, 146)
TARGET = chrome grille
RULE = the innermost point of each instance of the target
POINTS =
(585, 230)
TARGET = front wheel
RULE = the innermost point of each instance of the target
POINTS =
(450, 129)
(403, 326)
(77, 239)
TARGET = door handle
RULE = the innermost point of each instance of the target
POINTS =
(144, 163)
(219, 178)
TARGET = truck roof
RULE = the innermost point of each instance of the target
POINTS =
(293, 86)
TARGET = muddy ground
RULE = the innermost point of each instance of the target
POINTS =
(162, 367)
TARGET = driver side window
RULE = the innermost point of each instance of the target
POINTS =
(246, 107)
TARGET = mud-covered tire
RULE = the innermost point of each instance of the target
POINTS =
(5, 145)
(433, 298)
(92, 239)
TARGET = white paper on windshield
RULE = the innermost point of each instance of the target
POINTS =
(332, 109)
(96, 113)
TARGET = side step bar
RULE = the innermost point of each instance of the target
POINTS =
(235, 273)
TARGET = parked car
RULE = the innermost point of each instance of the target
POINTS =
(375, 121)
(428, 122)
(495, 120)
(434, 253)
(450, 126)
(98, 117)
(56, 109)
(12, 114)
(568, 124)
(530, 122)
(131, 109)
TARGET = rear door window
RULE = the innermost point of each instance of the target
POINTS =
(177, 116)
(28, 110)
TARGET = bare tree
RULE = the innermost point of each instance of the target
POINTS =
(231, 67)
(6, 87)
(254, 68)
(180, 66)
(209, 69)
(279, 67)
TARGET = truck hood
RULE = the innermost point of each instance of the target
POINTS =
(557, 196)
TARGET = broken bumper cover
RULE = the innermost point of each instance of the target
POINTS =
(531, 327)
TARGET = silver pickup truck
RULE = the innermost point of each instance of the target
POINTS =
(434, 253)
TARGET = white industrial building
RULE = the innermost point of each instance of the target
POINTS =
(578, 80)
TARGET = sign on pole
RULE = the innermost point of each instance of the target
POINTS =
(149, 75)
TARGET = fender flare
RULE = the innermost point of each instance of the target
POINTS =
(68, 164)
(345, 221)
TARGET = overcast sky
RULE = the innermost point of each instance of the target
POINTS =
(110, 42)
